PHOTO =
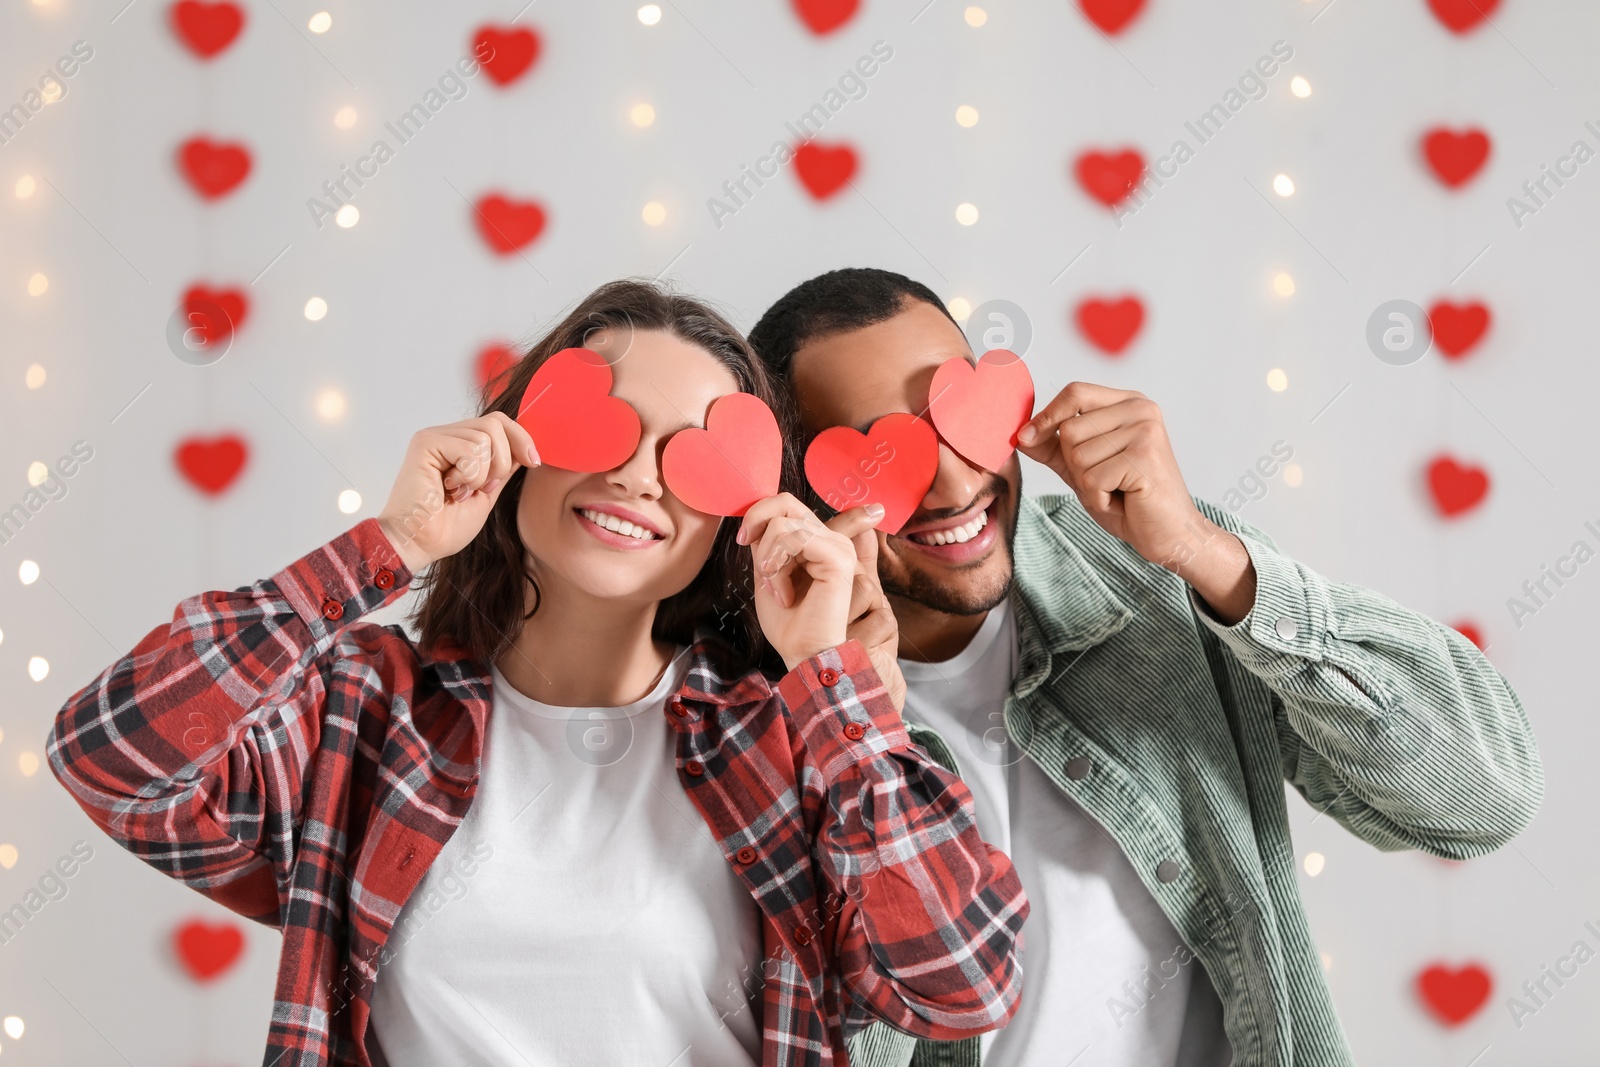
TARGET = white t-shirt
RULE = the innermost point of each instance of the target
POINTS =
(580, 914)
(1093, 926)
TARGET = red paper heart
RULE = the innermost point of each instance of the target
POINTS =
(206, 28)
(206, 950)
(1110, 325)
(732, 463)
(1455, 157)
(1111, 15)
(507, 225)
(213, 168)
(214, 314)
(1470, 632)
(822, 170)
(825, 16)
(1462, 15)
(892, 464)
(1110, 178)
(493, 360)
(212, 464)
(1454, 996)
(1456, 489)
(506, 55)
(575, 422)
(1457, 327)
(979, 409)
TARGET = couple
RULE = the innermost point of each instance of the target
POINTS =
(607, 809)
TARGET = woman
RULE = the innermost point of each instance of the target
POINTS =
(574, 821)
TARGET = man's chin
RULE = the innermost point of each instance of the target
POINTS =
(970, 591)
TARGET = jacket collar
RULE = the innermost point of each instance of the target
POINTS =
(1062, 602)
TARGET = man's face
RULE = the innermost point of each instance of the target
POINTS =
(854, 378)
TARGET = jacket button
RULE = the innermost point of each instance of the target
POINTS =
(384, 578)
(332, 609)
(1287, 628)
(678, 709)
(746, 855)
(1167, 871)
(854, 731)
(1078, 768)
(828, 676)
(802, 936)
(694, 768)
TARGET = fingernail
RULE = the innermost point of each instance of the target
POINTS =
(738, 537)
(491, 485)
(875, 511)
(1027, 433)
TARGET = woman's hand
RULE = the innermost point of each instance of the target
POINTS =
(451, 477)
(805, 577)
(872, 620)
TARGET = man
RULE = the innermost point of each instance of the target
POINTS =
(1125, 677)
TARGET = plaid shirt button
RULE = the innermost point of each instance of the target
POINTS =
(802, 936)
(384, 579)
(746, 855)
(695, 768)
(678, 709)
(828, 676)
(854, 731)
(332, 609)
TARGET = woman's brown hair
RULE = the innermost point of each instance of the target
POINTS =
(475, 599)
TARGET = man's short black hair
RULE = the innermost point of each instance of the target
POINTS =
(835, 302)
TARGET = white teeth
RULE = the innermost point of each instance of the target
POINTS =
(957, 535)
(616, 525)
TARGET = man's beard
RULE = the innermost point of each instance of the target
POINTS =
(922, 588)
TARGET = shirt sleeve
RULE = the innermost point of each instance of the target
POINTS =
(191, 750)
(930, 915)
(1395, 725)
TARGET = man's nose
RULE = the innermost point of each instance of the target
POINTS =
(955, 484)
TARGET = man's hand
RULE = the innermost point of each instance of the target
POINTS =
(1110, 446)
(872, 621)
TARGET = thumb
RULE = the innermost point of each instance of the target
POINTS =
(859, 524)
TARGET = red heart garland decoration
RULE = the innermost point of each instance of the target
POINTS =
(825, 16)
(212, 464)
(506, 55)
(1110, 325)
(493, 360)
(979, 409)
(1110, 178)
(1457, 327)
(1462, 15)
(892, 464)
(824, 170)
(732, 463)
(1470, 632)
(206, 28)
(507, 225)
(206, 950)
(213, 168)
(1111, 15)
(1455, 157)
(1454, 996)
(214, 314)
(575, 422)
(1456, 489)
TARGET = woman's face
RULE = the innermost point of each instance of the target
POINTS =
(563, 515)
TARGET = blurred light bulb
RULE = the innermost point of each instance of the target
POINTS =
(976, 16)
(344, 118)
(347, 216)
(966, 214)
(35, 376)
(1277, 381)
(38, 668)
(316, 307)
(642, 114)
(25, 187)
(1283, 284)
(960, 308)
(966, 115)
(349, 501)
(1283, 185)
(650, 14)
(37, 284)
(8, 856)
(28, 764)
(51, 92)
(37, 472)
(1293, 476)
(1327, 962)
(1315, 861)
(321, 22)
(1299, 87)
(14, 1027)
(330, 405)
(28, 572)
(655, 213)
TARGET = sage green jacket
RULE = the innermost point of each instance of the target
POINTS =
(1181, 730)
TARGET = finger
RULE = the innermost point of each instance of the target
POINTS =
(860, 525)
(460, 453)
(876, 628)
(520, 439)
(1126, 413)
(759, 514)
(1076, 398)
(1097, 484)
(784, 538)
(500, 461)
(1098, 449)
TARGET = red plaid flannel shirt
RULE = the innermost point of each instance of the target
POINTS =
(304, 769)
